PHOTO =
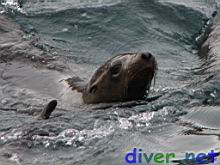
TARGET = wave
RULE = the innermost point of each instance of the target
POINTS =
(30, 75)
(202, 6)
(209, 51)
(48, 6)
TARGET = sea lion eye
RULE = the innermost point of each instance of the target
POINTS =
(93, 89)
(115, 69)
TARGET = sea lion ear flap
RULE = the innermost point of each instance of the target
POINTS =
(76, 84)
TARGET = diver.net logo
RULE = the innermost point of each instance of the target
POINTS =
(137, 156)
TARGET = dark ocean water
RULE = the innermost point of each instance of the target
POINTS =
(86, 33)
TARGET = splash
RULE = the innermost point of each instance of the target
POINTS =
(14, 5)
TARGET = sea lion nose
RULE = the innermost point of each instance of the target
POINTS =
(146, 56)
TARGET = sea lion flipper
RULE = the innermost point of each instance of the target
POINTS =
(76, 84)
(48, 109)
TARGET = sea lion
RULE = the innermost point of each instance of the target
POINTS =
(124, 77)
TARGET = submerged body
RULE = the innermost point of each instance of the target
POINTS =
(123, 78)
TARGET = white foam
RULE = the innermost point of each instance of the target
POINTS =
(70, 137)
(12, 4)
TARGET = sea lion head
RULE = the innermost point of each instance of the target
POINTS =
(122, 78)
